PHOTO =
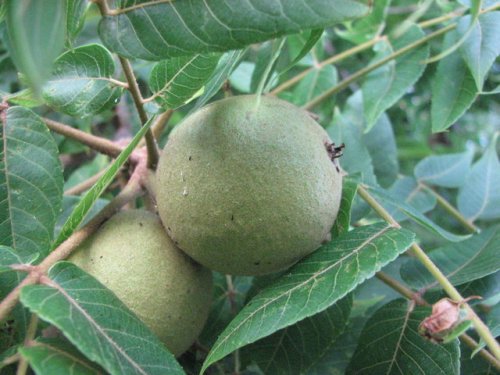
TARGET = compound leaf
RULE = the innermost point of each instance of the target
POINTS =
(479, 197)
(98, 323)
(31, 182)
(176, 81)
(313, 285)
(390, 344)
(81, 82)
(294, 349)
(157, 31)
(461, 262)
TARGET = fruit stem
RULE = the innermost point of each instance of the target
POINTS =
(22, 366)
(450, 209)
(266, 75)
(447, 286)
(99, 144)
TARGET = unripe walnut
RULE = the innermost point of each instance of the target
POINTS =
(132, 255)
(248, 187)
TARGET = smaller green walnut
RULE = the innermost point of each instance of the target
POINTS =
(132, 255)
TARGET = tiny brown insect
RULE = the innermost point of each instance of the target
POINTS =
(334, 153)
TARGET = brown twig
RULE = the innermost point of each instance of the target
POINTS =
(153, 154)
(100, 144)
(22, 366)
(401, 289)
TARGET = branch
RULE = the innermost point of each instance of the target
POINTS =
(400, 288)
(362, 72)
(331, 60)
(99, 144)
(135, 92)
(22, 366)
(448, 287)
(138, 101)
(450, 209)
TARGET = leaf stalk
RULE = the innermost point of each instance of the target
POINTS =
(481, 328)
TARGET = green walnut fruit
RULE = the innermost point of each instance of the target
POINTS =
(247, 186)
(132, 255)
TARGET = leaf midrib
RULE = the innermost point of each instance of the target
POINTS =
(313, 277)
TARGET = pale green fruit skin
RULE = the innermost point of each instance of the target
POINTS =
(132, 255)
(246, 189)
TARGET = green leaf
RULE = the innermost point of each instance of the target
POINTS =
(98, 323)
(386, 85)
(87, 170)
(381, 145)
(314, 37)
(31, 182)
(313, 285)
(479, 197)
(406, 189)
(315, 83)
(264, 74)
(475, 8)
(75, 18)
(35, 36)
(372, 153)
(486, 287)
(461, 262)
(294, 349)
(395, 205)
(474, 365)
(348, 127)
(157, 31)
(55, 356)
(81, 83)
(241, 78)
(225, 67)
(226, 301)
(453, 91)
(9, 257)
(68, 206)
(25, 98)
(493, 323)
(343, 220)
(176, 81)
(88, 200)
(482, 46)
(447, 170)
(390, 345)
(9, 279)
(368, 27)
